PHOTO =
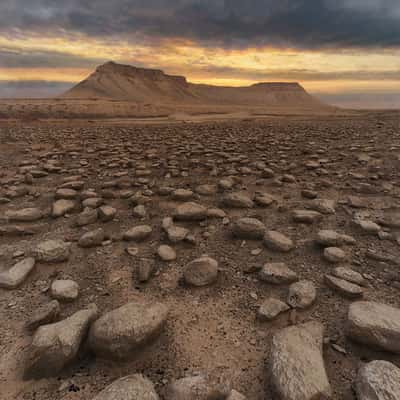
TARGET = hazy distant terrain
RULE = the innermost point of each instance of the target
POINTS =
(122, 91)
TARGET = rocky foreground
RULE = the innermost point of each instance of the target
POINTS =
(238, 260)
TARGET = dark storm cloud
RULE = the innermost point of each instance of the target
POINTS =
(301, 74)
(13, 58)
(32, 89)
(229, 23)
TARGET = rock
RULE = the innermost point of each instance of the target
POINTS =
(248, 228)
(374, 324)
(166, 253)
(309, 194)
(119, 333)
(347, 289)
(226, 184)
(264, 199)
(306, 216)
(271, 308)
(62, 207)
(190, 212)
(56, 345)
(302, 294)
(334, 255)
(378, 380)
(138, 233)
(132, 387)
(92, 238)
(64, 290)
(24, 215)
(201, 271)
(17, 274)
(68, 194)
(76, 185)
(206, 190)
(145, 270)
(87, 216)
(277, 242)
(277, 273)
(324, 206)
(234, 395)
(92, 202)
(297, 366)
(215, 213)
(328, 238)
(349, 275)
(107, 213)
(52, 251)
(368, 226)
(237, 200)
(198, 387)
(140, 211)
(182, 194)
(46, 314)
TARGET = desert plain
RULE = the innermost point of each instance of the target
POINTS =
(221, 251)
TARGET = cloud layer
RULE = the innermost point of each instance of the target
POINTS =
(235, 23)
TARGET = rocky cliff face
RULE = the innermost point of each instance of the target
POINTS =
(153, 86)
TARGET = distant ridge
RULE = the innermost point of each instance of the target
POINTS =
(153, 86)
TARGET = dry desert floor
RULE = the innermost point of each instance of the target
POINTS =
(294, 219)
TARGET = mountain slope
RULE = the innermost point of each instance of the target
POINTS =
(141, 85)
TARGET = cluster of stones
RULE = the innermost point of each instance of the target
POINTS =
(296, 362)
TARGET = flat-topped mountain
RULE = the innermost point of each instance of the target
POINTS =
(152, 86)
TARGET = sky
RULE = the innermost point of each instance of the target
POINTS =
(347, 52)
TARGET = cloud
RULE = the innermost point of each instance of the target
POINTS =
(227, 23)
(17, 58)
(301, 74)
(32, 89)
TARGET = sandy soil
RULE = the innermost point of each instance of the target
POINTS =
(211, 329)
(44, 109)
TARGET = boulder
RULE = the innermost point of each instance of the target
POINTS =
(120, 333)
(297, 366)
(271, 308)
(302, 294)
(277, 273)
(201, 272)
(24, 215)
(64, 290)
(62, 207)
(92, 238)
(190, 212)
(55, 345)
(52, 251)
(45, 314)
(198, 387)
(138, 233)
(17, 274)
(237, 200)
(378, 380)
(132, 387)
(374, 324)
(248, 228)
(276, 241)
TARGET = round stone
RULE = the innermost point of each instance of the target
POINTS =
(302, 294)
(278, 242)
(334, 254)
(248, 228)
(166, 253)
(64, 290)
(201, 272)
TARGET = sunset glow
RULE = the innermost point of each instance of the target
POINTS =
(52, 52)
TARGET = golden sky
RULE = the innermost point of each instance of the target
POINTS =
(332, 47)
(319, 71)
